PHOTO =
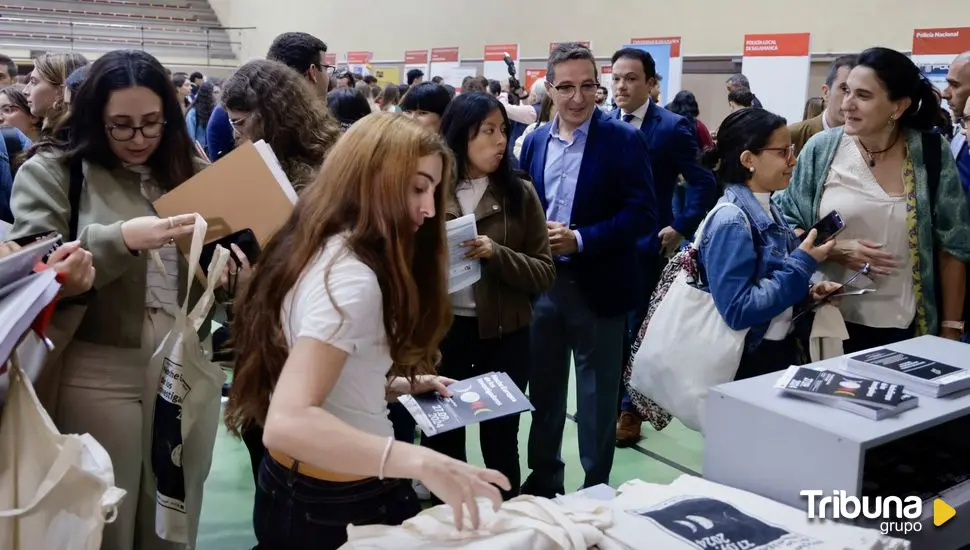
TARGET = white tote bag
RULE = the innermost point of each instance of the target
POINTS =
(56, 491)
(182, 410)
(687, 349)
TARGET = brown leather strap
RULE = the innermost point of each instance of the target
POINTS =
(311, 471)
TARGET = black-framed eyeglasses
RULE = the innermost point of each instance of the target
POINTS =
(124, 132)
(329, 69)
(567, 91)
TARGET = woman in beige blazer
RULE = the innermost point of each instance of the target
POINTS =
(132, 147)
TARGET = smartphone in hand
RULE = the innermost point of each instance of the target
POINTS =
(827, 228)
(246, 241)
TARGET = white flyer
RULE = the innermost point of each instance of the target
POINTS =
(462, 272)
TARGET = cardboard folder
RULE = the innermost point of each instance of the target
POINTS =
(246, 189)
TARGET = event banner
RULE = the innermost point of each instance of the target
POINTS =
(417, 59)
(445, 63)
(330, 59)
(532, 76)
(934, 49)
(606, 80)
(674, 79)
(778, 67)
(387, 75)
(359, 62)
(495, 67)
(661, 57)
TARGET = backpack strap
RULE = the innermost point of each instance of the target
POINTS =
(74, 196)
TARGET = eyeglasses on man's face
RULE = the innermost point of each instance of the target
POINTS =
(567, 91)
(125, 132)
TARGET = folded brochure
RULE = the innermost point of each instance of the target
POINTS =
(474, 400)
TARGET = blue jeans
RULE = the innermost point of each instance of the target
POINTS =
(296, 512)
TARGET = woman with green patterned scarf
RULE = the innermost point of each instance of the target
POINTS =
(910, 226)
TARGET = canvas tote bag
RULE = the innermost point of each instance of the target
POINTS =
(687, 347)
(56, 491)
(182, 408)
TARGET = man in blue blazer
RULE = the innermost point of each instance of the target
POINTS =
(674, 152)
(593, 177)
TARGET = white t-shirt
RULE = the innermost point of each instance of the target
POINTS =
(310, 311)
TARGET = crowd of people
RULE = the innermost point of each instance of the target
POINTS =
(578, 208)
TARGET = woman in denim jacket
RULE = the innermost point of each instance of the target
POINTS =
(750, 261)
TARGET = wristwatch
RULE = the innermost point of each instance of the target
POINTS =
(955, 325)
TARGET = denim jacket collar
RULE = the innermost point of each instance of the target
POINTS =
(742, 196)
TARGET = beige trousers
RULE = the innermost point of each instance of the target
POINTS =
(101, 394)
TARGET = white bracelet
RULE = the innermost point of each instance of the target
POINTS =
(956, 325)
(387, 453)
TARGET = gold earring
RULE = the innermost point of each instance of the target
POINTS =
(892, 121)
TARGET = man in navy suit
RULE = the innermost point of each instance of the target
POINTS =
(593, 177)
(673, 152)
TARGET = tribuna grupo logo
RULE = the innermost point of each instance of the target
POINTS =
(895, 514)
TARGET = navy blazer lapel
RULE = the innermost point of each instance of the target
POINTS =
(650, 122)
(591, 157)
(540, 144)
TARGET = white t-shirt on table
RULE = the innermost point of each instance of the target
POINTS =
(310, 311)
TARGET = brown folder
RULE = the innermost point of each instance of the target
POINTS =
(246, 189)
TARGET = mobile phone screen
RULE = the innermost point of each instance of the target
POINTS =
(828, 227)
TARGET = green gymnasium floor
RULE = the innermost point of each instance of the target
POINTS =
(227, 510)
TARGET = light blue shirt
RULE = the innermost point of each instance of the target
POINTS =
(563, 161)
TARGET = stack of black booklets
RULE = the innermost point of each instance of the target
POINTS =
(872, 399)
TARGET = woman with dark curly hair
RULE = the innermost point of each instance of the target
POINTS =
(197, 117)
(270, 101)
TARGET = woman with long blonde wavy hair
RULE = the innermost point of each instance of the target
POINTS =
(45, 87)
(345, 312)
(268, 100)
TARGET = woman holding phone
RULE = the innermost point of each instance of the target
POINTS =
(749, 260)
(912, 231)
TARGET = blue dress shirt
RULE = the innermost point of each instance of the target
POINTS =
(563, 160)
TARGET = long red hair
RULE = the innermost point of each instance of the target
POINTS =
(362, 189)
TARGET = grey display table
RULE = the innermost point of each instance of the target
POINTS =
(776, 446)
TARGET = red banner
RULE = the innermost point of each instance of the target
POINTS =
(777, 45)
(444, 55)
(496, 52)
(950, 41)
(606, 69)
(330, 59)
(532, 76)
(359, 58)
(674, 42)
(416, 57)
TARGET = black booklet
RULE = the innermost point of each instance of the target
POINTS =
(874, 399)
(920, 374)
(474, 400)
